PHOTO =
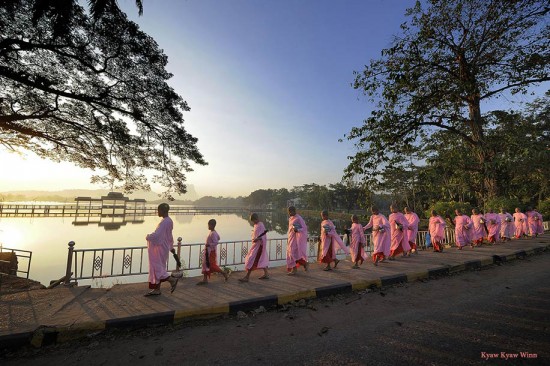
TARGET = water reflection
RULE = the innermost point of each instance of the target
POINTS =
(47, 237)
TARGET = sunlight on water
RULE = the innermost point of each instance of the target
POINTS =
(48, 238)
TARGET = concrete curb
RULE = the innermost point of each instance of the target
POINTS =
(48, 335)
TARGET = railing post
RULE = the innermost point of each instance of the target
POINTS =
(178, 250)
(68, 273)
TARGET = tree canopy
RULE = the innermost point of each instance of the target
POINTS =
(96, 95)
(432, 84)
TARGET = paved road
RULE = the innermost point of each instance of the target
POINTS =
(474, 317)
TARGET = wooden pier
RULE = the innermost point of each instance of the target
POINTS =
(74, 210)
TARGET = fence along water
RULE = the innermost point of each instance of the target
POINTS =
(85, 264)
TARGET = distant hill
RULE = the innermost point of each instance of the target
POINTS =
(68, 195)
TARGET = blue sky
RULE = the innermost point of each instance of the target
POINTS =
(268, 83)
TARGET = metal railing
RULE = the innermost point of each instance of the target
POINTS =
(20, 253)
(84, 264)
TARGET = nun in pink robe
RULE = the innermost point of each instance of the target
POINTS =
(525, 224)
(358, 242)
(330, 242)
(296, 251)
(493, 227)
(477, 233)
(412, 229)
(380, 236)
(436, 228)
(210, 257)
(462, 226)
(258, 256)
(518, 223)
(159, 244)
(507, 227)
(532, 218)
(399, 235)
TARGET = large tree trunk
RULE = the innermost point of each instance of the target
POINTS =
(487, 185)
(488, 182)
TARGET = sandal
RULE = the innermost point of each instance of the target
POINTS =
(201, 283)
(264, 277)
(152, 293)
(243, 279)
(336, 261)
(173, 287)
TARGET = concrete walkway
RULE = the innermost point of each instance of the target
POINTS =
(44, 317)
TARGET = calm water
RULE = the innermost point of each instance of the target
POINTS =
(48, 237)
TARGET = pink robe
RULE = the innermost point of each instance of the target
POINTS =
(525, 224)
(518, 223)
(211, 245)
(380, 234)
(399, 237)
(493, 227)
(329, 237)
(437, 229)
(412, 232)
(462, 226)
(358, 241)
(258, 256)
(159, 244)
(296, 250)
(507, 227)
(478, 231)
(532, 222)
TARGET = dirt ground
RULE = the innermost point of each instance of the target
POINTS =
(496, 315)
(12, 284)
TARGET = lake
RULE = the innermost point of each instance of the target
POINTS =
(48, 237)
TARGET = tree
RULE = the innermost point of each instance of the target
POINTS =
(61, 12)
(96, 95)
(450, 59)
(259, 197)
(521, 142)
(347, 195)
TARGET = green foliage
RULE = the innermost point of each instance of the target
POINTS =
(342, 196)
(429, 87)
(508, 204)
(95, 94)
(544, 209)
(448, 208)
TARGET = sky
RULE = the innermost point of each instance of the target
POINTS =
(268, 83)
